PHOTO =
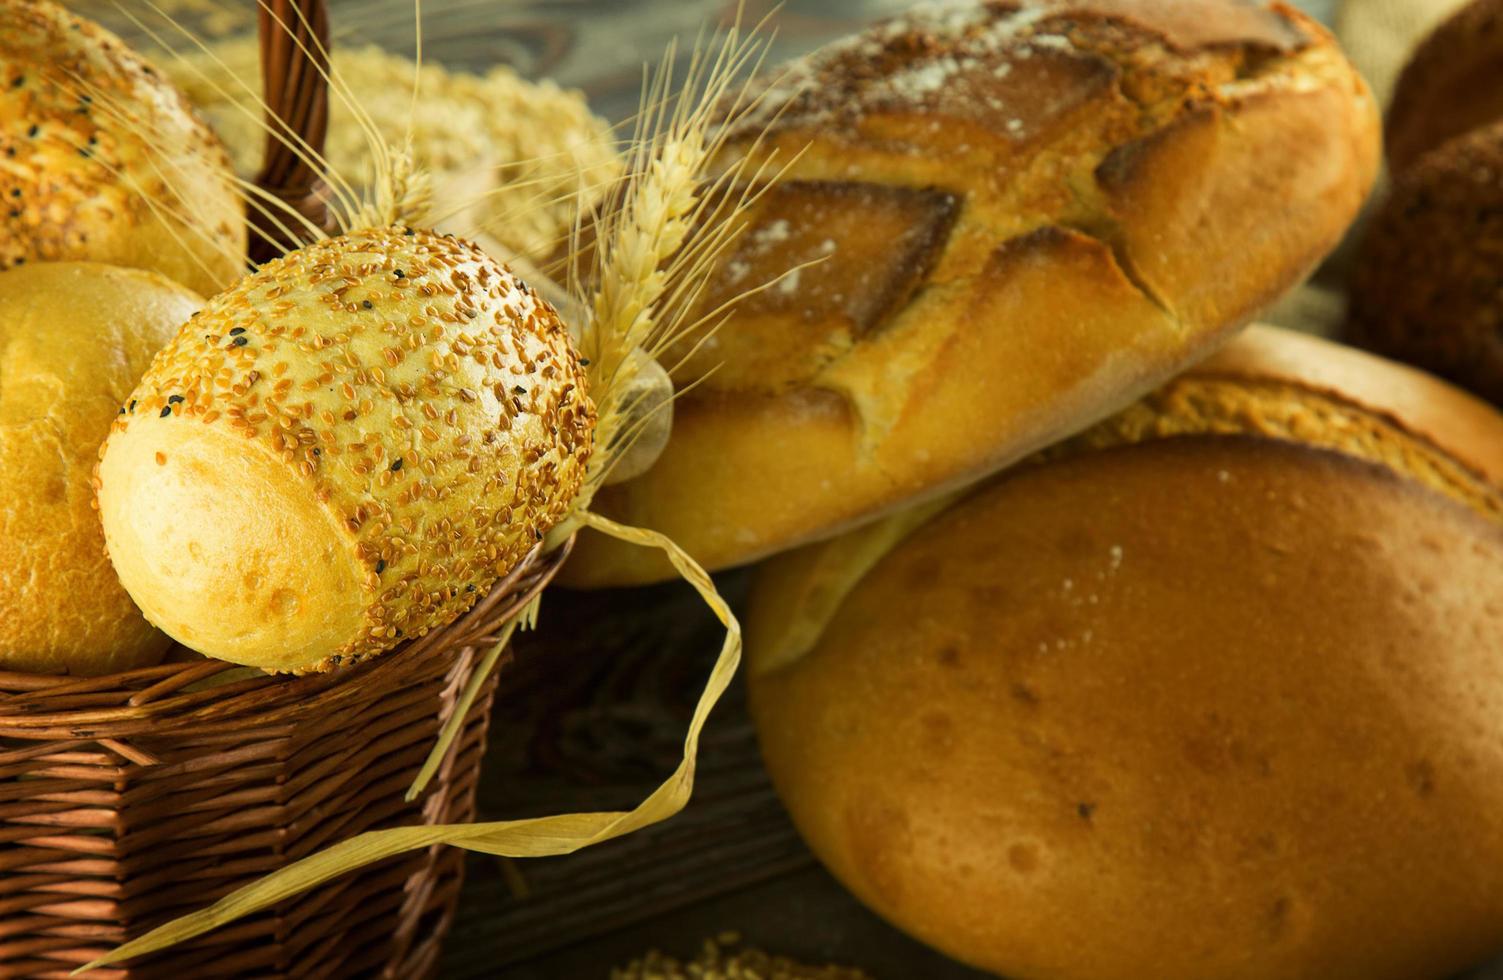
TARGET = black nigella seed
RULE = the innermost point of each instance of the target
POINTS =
(237, 331)
(317, 451)
(32, 132)
(132, 404)
(241, 341)
(470, 587)
(380, 566)
(408, 232)
(396, 464)
(367, 304)
(15, 212)
(400, 274)
(584, 362)
(399, 631)
(15, 192)
(93, 140)
(20, 80)
(83, 151)
(519, 390)
(166, 411)
(174, 399)
(122, 409)
(537, 534)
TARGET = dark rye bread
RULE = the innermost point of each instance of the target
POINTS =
(1426, 287)
(1022, 216)
(1452, 84)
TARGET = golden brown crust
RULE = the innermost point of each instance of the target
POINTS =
(104, 160)
(74, 338)
(344, 450)
(1243, 683)
(1425, 287)
(1452, 84)
(1082, 199)
(1267, 383)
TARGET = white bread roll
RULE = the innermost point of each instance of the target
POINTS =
(74, 339)
(1211, 691)
(344, 450)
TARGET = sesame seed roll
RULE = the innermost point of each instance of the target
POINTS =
(344, 450)
(102, 159)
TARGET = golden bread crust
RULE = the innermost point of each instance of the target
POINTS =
(1044, 209)
(1242, 683)
(74, 339)
(104, 160)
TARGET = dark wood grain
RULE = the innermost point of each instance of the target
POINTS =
(591, 714)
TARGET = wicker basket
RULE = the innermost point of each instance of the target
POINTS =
(128, 800)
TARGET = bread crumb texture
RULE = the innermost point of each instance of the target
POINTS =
(1206, 405)
(102, 159)
(725, 958)
(426, 397)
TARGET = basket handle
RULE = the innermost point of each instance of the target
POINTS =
(294, 66)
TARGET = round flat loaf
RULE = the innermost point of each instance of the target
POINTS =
(1209, 691)
(1022, 215)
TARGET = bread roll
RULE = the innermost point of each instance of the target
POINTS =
(102, 159)
(1425, 287)
(1022, 216)
(344, 450)
(1211, 691)
(74, 338)
(1452, 84)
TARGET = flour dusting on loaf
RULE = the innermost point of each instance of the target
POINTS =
(1008, 220)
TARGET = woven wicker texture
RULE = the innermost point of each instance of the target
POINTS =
(129, 799)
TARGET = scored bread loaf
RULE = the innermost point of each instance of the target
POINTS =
(1209, 691)
(1020, 216)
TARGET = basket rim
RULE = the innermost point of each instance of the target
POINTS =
(150, 700)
